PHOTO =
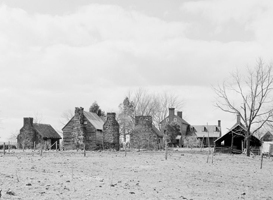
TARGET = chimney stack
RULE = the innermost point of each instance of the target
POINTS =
(171, 114)
(238, 118)
(111, 116)
(28, 121)
(219, 126)
(144, 121)
(179, 114)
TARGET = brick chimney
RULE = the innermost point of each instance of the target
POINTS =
(238, 118)
(144, 121)
(78, 111)
(179, 114)
(219, 126)
(171, 114)
(28, 122)
(111, 131)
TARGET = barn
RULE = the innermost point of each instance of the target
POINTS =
(233, 140)
(37, 134)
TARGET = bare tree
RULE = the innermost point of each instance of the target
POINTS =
(38, 118)
(253, 90)
(66, 116)
(154, 104)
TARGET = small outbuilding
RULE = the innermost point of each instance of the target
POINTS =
(35, 134)
(234, 140)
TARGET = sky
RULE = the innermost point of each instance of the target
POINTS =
(58, 55)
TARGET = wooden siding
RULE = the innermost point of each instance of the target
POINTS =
(91, 137)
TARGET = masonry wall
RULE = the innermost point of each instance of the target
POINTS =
(111, 132)
(28, 135)
(143, 136)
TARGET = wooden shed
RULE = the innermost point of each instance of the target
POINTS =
(37, 134)
(234, 140)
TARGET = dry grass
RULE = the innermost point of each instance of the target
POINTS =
(140, 175)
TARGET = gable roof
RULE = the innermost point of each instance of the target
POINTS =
(267, 135)
(235, 126)
(179, 118)
(94, 119)
(46, 131)
(204, 130)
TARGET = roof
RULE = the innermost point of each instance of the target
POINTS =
(46, 131)
(268, 136)
(157, 131)
(205, 130)
(181, 119)
(94, 119)
(237, 125)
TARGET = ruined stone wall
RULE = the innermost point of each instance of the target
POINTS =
(111, 132)
(143, 137)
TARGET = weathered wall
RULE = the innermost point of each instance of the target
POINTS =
(111, 132)
(27, 134)
(143, 136)
(90, 136)
(80, 131)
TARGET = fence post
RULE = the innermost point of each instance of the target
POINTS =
(262, 156)
(84, 151)
(4, 148)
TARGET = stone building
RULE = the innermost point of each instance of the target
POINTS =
(83, 128)
(145, 134)
(111, 132)
(38, 134)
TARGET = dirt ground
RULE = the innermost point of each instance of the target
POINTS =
(140, 175)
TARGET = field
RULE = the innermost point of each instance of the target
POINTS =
(140, 175)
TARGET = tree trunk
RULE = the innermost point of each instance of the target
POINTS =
(248, 146)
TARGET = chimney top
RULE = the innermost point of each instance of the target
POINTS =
(28, 121)
(238, 118)
(144, 121)
(179, 114)
(111, 115)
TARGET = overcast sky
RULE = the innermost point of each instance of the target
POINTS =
(56, 55)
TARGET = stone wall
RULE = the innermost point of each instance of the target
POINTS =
(143, 136)
(28, 135)
(111, 132)
(78, 129)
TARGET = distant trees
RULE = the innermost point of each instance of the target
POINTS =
(253, 89)
(156, 105)
(142, 102)
(95, 108)
(126, 116)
